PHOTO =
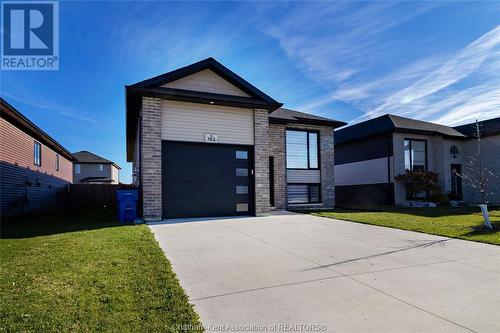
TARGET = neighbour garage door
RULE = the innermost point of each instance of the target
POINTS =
(201, 180)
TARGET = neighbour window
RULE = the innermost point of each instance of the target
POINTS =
(37, 154)
(302, 150)
(303, 193)
(100, 167)
(57, 162)
(77, 169)
(415, 152)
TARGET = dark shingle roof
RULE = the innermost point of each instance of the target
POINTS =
(392, 123)
(283, 115)
(486, 127)
(153, 88)
(88, 157)
(16, 118)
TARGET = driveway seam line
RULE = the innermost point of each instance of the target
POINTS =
(267, 287)
(356, 280)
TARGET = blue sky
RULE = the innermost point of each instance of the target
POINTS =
(436, 61)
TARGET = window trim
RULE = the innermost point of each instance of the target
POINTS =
(318, 152)
(411, 155)
(35, 144)
(308, 194)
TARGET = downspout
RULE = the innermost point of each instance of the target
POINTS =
(140, 162)
(392, 193)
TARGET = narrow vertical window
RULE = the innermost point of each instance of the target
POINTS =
(57, 162)
(313, 150)
(77, 169)
(37, 154)
(100, 167)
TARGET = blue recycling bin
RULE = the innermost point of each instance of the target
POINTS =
(127, 205)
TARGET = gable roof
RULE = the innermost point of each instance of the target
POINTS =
(209, 63)
(16, 118)
(86, 157)
(154, 87)
(392, 123)
(487, 128)
(283, 115)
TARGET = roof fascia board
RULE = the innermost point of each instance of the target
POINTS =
(203, 97)
(27, 126)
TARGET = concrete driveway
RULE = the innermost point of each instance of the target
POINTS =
(320, 274)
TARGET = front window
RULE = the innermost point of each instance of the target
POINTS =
(57, 162)
(37, 154)
(303, 193)
(415, 152)
(301, 150)
(100, 167)
(77, 169)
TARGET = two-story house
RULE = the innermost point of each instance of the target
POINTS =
(34, 168)
(90, 168)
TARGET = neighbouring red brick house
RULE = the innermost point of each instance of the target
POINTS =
(34, 168)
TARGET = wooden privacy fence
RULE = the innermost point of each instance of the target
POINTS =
(93, 195)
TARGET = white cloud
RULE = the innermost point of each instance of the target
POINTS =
(463, 64)
(343, 49)
(65, 111)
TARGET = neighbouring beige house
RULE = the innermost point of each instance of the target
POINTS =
(89, 168)
(370, 154)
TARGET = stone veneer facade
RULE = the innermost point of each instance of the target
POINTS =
(151, 159)
(261, 161)
(277, 142)
(269, 140)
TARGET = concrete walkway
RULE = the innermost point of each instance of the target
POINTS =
(273, 272)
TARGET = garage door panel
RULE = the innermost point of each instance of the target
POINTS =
(184, 190)
(206, 179)
(202, 171)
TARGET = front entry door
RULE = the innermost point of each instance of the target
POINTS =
(456, 182)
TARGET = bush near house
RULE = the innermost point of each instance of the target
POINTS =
(461, 222)
(82, 272)
(421, 181)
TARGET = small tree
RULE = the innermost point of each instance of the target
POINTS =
(421, 181)
(475, 175)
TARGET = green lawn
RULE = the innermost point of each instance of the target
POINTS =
(83, 272)
(464, 223)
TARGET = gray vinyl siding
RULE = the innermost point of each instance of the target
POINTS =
(374, 171)
(190, 122)
(490, 146)
(303, 176)
(27, 191)
(91, 170)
